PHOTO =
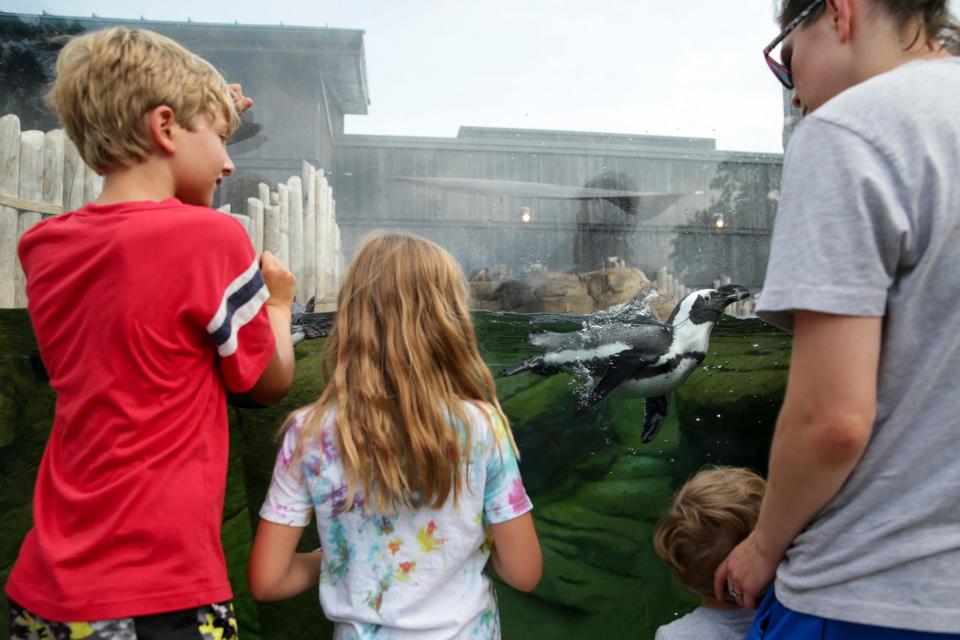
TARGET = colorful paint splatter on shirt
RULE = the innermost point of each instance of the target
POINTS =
(417, 573)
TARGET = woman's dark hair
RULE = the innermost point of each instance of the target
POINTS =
(932, 18)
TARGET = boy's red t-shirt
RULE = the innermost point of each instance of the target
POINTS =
(145, 313)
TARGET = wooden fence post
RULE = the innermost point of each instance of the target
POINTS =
(54, 146)
(339, 266)
(331, 242)
(283, 201)
(10, 186)
(310, 231)
(323, 236)
(31, 188)
(271, 229)
(255, 211)
(263, 193)
(295, 232)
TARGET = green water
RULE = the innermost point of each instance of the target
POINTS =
(597, 490)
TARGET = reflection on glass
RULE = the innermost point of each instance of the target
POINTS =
(554, 228)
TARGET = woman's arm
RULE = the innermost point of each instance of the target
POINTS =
(516, 553)
(822, 431)
(276, 571)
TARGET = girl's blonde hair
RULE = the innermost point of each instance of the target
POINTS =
(404, 359)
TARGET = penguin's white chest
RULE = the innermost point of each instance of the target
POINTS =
(657, 385)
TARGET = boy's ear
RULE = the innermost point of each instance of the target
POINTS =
(160, 123)
(841, 14)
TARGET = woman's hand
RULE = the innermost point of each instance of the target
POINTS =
(746, 572)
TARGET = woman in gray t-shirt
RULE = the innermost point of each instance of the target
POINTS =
(860, 519)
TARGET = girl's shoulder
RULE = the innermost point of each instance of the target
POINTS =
(309, 439)
(305, 419)
(484, 421)
(478, 412)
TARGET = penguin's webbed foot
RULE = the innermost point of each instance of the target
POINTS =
(655, 412)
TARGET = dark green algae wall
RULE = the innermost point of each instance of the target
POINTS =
(597, 490)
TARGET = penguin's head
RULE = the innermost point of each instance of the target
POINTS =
(707, 305)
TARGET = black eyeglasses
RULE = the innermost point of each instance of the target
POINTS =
(780, 71)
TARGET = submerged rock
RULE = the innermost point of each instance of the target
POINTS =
(552, 292)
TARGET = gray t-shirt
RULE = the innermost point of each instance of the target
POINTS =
(708, 624)
(869, 225)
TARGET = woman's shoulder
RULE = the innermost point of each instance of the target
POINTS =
(890, 108)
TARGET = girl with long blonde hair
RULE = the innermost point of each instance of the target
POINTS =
(406, 460)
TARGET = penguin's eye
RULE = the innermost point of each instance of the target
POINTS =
(706, 298)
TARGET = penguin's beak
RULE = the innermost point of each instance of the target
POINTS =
(730, 293)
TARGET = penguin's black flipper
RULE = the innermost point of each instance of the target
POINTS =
(655, 412)
(619, 369)
(534, 365)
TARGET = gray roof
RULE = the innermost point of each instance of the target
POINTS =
(339, 52)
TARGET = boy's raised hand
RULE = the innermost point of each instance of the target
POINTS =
(280, 282)
(240, 102)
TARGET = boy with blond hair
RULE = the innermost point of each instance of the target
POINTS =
(148, 307)
(706, 518)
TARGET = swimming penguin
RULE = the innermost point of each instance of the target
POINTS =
(305, 324)
(647, 360)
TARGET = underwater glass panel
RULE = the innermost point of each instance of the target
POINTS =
(576, 224)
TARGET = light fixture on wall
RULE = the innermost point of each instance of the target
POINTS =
(525, 214)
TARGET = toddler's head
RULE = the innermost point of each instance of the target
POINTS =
(710, 515)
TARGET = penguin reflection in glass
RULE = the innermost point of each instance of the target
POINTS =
(647, 360)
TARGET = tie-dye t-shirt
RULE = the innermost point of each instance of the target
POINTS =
(413, 574)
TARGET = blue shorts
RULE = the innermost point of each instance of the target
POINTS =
(774, 621)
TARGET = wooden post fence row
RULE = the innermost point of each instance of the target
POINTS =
(297, 222)
(42, 174)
